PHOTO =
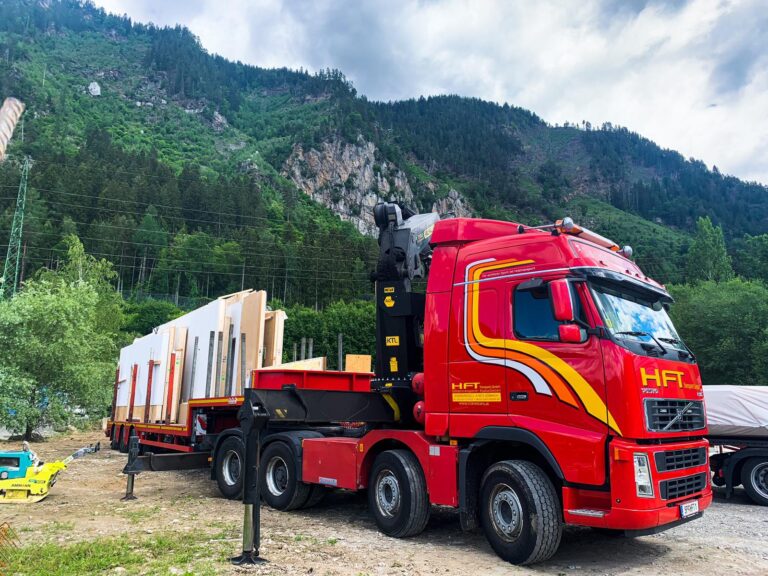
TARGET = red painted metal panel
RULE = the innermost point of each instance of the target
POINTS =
(148, 401)
(169, 445)
(275, 379)
(330, 462)
(134, 372)
(169, 399)
(458, 230)
(442, 476)
(436, 424)
(437, 315)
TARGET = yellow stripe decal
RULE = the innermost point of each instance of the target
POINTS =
(593, 404)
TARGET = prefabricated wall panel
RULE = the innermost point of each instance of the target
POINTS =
(232, 374)
(199, 323)
(251, 328)
(224, 339)
(274, 329)
(208, 352)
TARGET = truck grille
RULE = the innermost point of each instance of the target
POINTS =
(674, 415)
(680, 487)
(677, 459)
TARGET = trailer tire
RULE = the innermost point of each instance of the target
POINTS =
(520, 512)
(397, 494)
(280, 486)
(113, 443)
(754, 478)
(230, 457)
(122, 443)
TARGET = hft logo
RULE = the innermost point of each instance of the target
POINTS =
(662, 377)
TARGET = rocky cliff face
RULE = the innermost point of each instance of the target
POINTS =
(351, 179)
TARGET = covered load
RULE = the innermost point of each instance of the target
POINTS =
(737, 410)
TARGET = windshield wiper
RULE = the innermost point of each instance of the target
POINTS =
(638, 333)
(688, 351)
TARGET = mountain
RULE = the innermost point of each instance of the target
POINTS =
(196, 175)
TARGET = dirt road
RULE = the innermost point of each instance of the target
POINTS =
(179, 525)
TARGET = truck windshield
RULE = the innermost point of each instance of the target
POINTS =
(640, 319)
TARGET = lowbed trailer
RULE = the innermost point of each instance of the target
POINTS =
(538, 382)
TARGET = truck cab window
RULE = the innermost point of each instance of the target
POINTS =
(532, 314)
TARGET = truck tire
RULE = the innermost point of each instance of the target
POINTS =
(397, 494)
(230, 457)
(316, 495)
(280, 487)
(520, 512)
(754, 478)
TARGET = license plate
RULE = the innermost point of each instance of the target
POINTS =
(689, 509)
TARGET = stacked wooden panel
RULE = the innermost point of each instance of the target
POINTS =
(206, 353)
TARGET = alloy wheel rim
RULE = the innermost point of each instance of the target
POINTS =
(506, 512)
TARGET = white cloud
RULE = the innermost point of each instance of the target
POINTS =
(692, 76)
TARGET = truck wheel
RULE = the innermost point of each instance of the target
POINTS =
(397, 494)
(230, 457)
(754, 478)
(520, 512)
(316, 495)
(280, 487)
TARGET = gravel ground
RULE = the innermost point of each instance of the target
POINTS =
(339, 538)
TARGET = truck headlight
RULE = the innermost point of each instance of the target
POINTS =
(643, 480)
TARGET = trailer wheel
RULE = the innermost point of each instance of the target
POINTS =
(229, 467)
(280, 487)
(122, 443)
(397, 494)
(113, 444)
(754, 478)
(520, 512)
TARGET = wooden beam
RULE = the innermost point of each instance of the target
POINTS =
(318, 363)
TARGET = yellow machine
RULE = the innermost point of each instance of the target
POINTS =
(24, 478)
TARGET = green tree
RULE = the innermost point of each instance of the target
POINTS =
(356, 321)
(58, 346)
(707, 256)
(140, 318)
(725, 326)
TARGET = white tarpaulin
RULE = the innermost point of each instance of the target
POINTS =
(737, 410)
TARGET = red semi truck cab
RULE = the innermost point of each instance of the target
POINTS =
(555, 345)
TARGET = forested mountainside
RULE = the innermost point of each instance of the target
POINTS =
(195, 175)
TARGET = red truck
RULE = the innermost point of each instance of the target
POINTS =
(537, 381)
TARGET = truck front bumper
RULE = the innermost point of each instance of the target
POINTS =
(619, 507)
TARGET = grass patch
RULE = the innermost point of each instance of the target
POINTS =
(156, 555)
(136, 516)
(57, 527)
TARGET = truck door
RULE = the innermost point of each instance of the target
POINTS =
(477, 379)
(556, 386)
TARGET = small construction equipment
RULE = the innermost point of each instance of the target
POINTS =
(24, 478)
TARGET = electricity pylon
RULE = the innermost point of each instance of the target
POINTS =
(12, 269)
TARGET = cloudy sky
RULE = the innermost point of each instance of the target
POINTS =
(691, 75)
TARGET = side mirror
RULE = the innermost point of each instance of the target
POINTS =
(570, 333)
(562, 304)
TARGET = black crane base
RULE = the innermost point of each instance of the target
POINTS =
(247, 559)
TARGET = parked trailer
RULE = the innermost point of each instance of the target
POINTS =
(738, 423)
(538, 382)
